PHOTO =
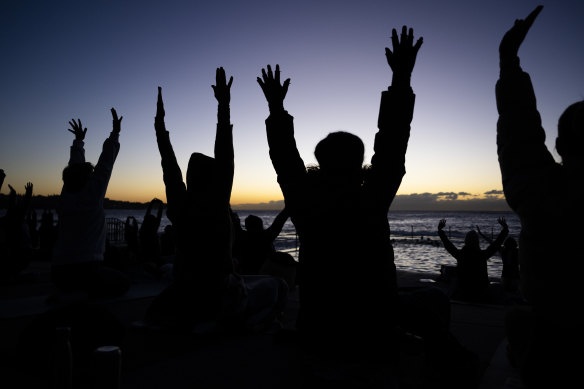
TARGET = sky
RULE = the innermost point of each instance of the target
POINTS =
(76, 59)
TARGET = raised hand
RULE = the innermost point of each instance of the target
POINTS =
(159, 119)
(77, 129)
(223, 88)
(117, 123)
(403, 57)
(502, 222)
(12, 191)
(514, 37)
(28, 188)
(273, 90)
(441, 224)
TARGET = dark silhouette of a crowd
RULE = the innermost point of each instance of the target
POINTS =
(226, 278)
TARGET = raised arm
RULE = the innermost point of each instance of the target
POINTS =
(77, 152)
(109, 153)
(280, 132)
(447, 243)
(395, 115)
(483, 235)
(27, 197)
(496, 244)
(523, 156)
(172, 174)
(274, 230)
(224, 135)
(2, 177)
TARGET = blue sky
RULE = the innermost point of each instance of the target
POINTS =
(77, 59)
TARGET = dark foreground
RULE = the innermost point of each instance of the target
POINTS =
(154, 359)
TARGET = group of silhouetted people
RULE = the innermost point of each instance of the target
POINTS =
(350, 305)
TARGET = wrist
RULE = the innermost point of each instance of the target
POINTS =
(276, 107)
(401, 79)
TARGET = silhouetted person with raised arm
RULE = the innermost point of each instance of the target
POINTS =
(546, 197)
(148, 236)
(472, 277)
(205, 287)
(348, 291)
(258, 243)
(18, 253)
(79, 251)
(510, 257)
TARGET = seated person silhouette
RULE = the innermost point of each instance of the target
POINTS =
(546, 197)
(472, 277)
(205, 290)
(257, 243)
(78, 254)
(347, 276)
(510, 257)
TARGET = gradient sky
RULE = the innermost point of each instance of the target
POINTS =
(77, 59)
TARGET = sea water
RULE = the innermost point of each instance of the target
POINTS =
(416, 244)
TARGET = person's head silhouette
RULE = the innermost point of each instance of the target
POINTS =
(570, 138)
(75, 176)
(471, 240)
(201, 173)
(510, 243)
(254, 224)
(340, 157)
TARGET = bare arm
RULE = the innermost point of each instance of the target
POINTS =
(274, 230)
(175, 187)
(447, 243)
(111, 147)
(496, 244)
(224, 155)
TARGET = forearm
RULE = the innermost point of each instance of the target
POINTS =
(224, 136)
(283, 151)
(171, 171)
(496, 244)
(447, 243)
(77, 152)
(105, 164)
(276, 227)
(523, 155)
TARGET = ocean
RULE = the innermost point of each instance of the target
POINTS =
(414, 235)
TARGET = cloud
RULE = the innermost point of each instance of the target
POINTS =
(492, 200)
(494, 192)
(274, 205)
(451, 201)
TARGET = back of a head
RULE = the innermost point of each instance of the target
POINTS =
(471, 240)
(340, 154)
(570, 140)
(510, 243)
(254, 224)
(76, 176)
(201, 172)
